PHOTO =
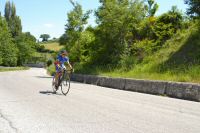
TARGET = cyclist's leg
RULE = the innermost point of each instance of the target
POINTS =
(57, 75)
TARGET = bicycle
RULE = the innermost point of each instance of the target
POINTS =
(63, 81)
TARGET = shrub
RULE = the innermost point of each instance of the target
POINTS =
(49, 62)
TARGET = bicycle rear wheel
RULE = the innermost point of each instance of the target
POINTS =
(65, 86)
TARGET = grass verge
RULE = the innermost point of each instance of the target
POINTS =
(5, 69)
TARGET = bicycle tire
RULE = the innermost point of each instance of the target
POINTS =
(54, 85)
(65, 84)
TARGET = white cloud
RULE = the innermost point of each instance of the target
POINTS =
(48, 25)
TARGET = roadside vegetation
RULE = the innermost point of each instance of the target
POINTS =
(5, 69)
(177, 61)
(130, 41)
(16, 47)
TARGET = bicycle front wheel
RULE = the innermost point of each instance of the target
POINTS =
(65, 86)
(54, 87)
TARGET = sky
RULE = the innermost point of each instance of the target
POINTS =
(50, 16)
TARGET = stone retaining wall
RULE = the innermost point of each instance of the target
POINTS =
(187, 91)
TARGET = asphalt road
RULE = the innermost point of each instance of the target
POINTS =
(28, 106)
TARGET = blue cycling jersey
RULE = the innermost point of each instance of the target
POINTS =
(62, 60)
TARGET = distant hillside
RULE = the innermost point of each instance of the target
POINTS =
(52, 46)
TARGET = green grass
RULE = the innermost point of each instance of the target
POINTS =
(146, 72)
(178, 60)
(191, 75)
(5, 69)
(52, 46)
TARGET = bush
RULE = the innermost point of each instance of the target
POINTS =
(51, 69)
(127, 63)
(49, 62)
(40, 48)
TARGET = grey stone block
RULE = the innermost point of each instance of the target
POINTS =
(146, 86)
(158, 87)
(91, 79)
(133, 85)
(116, 83)
(77, 77)
(195, 92)
(183, 91)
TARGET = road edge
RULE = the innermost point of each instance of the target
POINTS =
(186, 91)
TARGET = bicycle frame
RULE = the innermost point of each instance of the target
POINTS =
(62, 76)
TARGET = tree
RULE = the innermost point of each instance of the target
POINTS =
(7, 11)
(14, 21)
(63, 39)
(152, 7)
(194, 8)
(87, 43)
(74, 27)
(118, 27)
(45, 37)
(26, 44)
(8, 50)
(75, 23)
(167, 25)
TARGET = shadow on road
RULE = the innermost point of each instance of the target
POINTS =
(49, 93)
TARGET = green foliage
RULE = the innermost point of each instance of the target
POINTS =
(8, 50)
(152, 7)
(76, 21)
(127, 63)
(87, 42)
(177, 60)
(74, 28)
(45, 37)
(26, 43)
(189, 53)
(118, 24)
(82, 51)
(49, 62)
(51, 69)
(63, 39)
(8, 10)
(16, 48)
(14, 21)
(129, 40)
(40, 48)
(4, 69)
(166, 26)
(143, 48)
(194, 8)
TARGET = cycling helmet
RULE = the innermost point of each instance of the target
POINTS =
(63, 52)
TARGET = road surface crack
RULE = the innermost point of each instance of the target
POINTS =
(9, 122)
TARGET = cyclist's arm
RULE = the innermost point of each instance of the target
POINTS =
(69, 65)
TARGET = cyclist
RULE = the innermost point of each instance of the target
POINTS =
(62, 58)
